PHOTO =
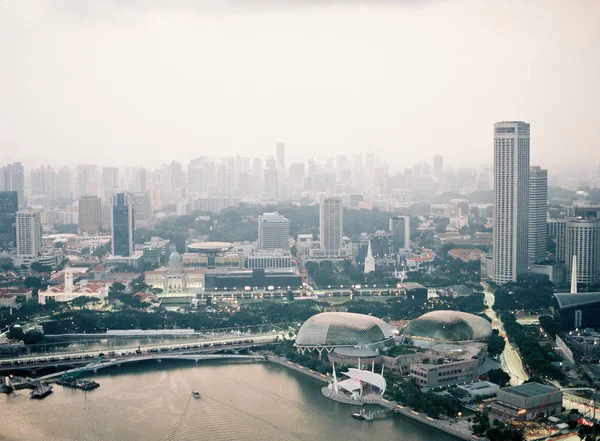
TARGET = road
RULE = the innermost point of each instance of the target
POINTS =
(510, 359)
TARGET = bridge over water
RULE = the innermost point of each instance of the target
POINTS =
(157, 357)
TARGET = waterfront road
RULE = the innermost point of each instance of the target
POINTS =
(510, 358)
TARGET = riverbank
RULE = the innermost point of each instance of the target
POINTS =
(453, 429)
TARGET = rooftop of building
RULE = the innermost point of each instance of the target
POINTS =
(566, 300)
(529, 390)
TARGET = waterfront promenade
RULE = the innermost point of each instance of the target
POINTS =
(456, 429)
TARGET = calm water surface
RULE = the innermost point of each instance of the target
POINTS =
(249, 401)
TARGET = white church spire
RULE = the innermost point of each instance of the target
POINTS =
(369, 260)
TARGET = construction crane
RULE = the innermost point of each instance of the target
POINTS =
(70, 376)
(568, 389)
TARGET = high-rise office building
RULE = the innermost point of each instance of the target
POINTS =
(281, 157)
(142, 209)
(538, 211)
(271, 183)
(175, 176)
(9, 205)
(110, 177)
(582, 239)
(511, 200)
(13, 179)
(123, 225)
(87, 180)
(331, 225)
(400, 228)
(64, 184)
(90, 215)
(43, 182)
(29, 236)
(273, 232)
(438, 165)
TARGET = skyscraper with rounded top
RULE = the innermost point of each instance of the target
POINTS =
(511, 200)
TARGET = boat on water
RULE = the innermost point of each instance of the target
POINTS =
(79, 384)
(362, 415)
(196, 394)
(40, 392)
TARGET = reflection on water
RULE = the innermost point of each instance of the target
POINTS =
(247, 401)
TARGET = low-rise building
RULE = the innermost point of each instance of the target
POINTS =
(70, 291)
(9, 301)
(444, 374)
(528, 401)
(136, 260)
(478, 389)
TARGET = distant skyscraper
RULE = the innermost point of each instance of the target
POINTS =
(90, 215)
(271, 183)
(331, 225)
(43, 182)
(538, 211)
(13, 179)
(511, 200)
(110, 177)
(29, 236)
(273, 232)
(281, 157)
(87, 180)
(142, 209)
(123, 225)
(175, 176)
(400, 227)
(141, 180)
(438, 165)
(9, 205)
(64, 184)
(583, 240)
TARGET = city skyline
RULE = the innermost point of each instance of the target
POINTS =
(123, 73)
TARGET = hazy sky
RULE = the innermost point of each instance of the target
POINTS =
(133, 81)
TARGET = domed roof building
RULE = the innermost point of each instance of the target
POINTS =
(175, 263)
(450, 326)
(329, 330)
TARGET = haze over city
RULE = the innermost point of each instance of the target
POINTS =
(299, 220)
(145, 82)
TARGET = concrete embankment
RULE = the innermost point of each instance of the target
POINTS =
(298, 368)
(445, 426)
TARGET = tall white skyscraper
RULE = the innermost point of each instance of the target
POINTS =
(29, 236)
(511, 200)
(281, 157)
(273, 232)
(538, 209)
(331, 225)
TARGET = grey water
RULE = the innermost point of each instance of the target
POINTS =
(239, 401)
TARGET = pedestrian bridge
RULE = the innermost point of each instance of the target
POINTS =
(158, 357)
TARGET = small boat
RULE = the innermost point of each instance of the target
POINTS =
(196, 394)
(362, 415)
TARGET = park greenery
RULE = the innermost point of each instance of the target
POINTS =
(537, 360)
(408, 393)
(495, 344)
(523, 295)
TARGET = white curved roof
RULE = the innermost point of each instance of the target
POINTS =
(369, 377)
(343, 329)
(209, 247)
(450, 326)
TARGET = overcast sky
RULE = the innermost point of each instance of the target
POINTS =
(143, 82)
